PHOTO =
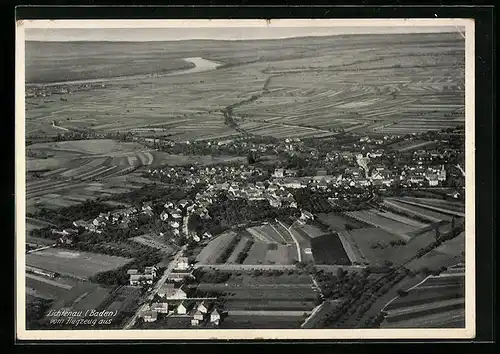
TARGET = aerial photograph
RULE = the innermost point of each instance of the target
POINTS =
(245, 178)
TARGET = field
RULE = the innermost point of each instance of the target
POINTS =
(442, 206)
(215, 248)
(412, 210)
(448, 253)
(271, 301)
(43, 287)
(409, 145)
(282, 88)
(83, 296)
(389, 222)
(338, 222)
(373, 244)
(328, 249)
(437, 302)
(74, 264)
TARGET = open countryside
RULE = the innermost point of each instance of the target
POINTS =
(308, 182)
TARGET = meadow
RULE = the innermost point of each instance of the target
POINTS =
(74, 264)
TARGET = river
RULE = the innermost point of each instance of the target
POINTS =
(201, 65)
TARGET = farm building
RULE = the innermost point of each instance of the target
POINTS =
(160, 307)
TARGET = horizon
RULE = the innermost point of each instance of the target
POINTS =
(176, 34)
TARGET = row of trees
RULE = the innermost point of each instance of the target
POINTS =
(244, 252)
(224, 255)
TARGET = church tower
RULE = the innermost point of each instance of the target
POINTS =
(442, 174)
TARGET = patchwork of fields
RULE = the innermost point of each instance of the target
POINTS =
(271, 301)
(437, 302)
(287, 88)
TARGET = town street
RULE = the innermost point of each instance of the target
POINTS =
(155, 289)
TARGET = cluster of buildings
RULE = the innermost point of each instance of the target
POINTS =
(117, 217)
(431, 176)
(200, 312)
(147, 277)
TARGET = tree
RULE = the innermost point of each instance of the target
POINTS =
(251, 159)
(402, 292)
(438, 233)
(341, 273)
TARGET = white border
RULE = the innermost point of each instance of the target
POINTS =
(171, 334)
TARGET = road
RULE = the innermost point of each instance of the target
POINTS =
(299, 252)
(155, 289)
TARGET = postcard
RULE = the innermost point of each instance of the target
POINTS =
(245, 179)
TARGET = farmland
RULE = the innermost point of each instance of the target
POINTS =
(437, 302)
(388, 222)
(275, 90)
(74, 264)
(339, 222)
(76, 171)
(211, 252)
(252, 301)
(328, 249)
(412, 210)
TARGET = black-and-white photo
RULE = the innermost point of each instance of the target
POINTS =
(245, 177)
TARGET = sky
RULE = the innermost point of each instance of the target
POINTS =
(233, 33)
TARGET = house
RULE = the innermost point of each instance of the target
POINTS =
(175, 213)
(160, 307)
(151, 270)
(173, 293)
(168, 205)
(433, 180)
(183, 203)
(182, 263)
(198, 315)
(194, 322)
(140, 279)
(150, 316)
(132, 271)
(196, 238)
(164, 216)
(176, 232)
(207, 235)
(274, 202)
(215, 317)
(279, 172)
(181, 309)
(203, 307)
(174, 224)
(290, 172)
(305, 215)
(162, 291)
